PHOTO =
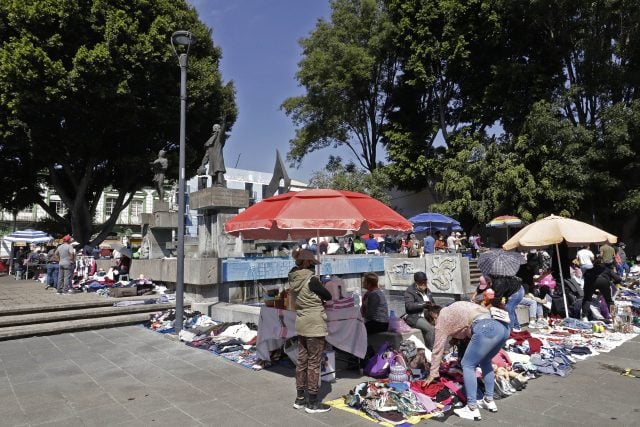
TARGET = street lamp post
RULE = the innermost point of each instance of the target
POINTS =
(185, 39)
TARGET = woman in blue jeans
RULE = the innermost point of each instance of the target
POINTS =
(508, 291)
(461, 320)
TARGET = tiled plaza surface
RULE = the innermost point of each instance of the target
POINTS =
(131, 376)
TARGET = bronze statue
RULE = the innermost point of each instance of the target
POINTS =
(159, 167)
(214, 156)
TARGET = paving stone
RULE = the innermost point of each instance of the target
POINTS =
(104, 415)
(170, 417)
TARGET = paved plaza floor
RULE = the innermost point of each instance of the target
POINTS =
(131, 376)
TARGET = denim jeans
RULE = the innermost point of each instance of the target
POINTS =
(52, 275)
(488, 337)
(511, 305)
(535, 309)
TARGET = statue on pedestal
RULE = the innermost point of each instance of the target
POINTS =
(214, 156)
(159, 167)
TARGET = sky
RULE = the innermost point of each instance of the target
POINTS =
(259, 42)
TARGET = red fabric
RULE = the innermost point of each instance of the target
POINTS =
(431, 390)
(502, 359)
(300, 214)
(522, 336)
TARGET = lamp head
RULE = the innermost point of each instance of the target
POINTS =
(182, 38)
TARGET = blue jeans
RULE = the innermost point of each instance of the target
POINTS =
(535, 309)
(52, 275)
(511, 305)
(488, 337)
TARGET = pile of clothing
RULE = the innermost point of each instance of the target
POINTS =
(234, 341)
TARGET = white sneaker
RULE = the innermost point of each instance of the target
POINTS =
(489, 406)
(584, 319)
(468, 414)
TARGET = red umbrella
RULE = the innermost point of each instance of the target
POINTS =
(309, 213)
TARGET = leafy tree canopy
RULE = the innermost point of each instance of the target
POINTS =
(89, 92)
(349, 71)
(339, 176)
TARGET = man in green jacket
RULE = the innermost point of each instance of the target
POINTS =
(311, 328)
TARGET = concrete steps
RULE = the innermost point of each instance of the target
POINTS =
(77, 314)
(23, 331)
(61, 315)
(474, 273)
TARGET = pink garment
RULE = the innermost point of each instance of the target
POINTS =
(454, 321)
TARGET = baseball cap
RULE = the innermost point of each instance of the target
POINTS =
(419, 277)
(66, 238)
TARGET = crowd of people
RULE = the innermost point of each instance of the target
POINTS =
(63, 263)
(480, 326)
(409, 245)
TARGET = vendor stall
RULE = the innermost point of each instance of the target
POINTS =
(345, 325)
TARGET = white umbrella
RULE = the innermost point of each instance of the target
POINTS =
(29, 236)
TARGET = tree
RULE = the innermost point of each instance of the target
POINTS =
(339, 176)
(349, 71)
(89, 94)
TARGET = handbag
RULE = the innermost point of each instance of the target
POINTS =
(378, 365)
(398, 372)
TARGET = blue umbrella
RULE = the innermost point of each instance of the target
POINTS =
(429, 221)
(29, 236)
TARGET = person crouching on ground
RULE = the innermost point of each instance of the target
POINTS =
(311, 328)
(375, 311)
(461, 320)
(416, 298)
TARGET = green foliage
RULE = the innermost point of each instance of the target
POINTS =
(89, 94)
(349, 70)
(349, 177)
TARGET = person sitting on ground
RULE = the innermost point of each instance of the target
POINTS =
(487, 332)
(534, 304)
(311, 328)
(372, 245)
(374, 309)
(416, 298)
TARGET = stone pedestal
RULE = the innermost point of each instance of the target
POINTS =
(158, 230)
(217, 205)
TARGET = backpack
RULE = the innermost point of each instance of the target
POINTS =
(379, 365)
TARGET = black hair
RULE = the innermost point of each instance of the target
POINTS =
(431, 312)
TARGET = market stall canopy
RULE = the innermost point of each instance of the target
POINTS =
(433, 221)
(319, 212)
(28, 236)
(555, 229)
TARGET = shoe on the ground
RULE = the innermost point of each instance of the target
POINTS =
(300, 403)
(315, 407)
(468, 414)
(584, 319)
(489, 406)
(532, 324)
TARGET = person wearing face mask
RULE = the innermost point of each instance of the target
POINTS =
(311, 329)
(416, 298)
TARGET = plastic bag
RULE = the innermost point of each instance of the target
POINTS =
(398, 325)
